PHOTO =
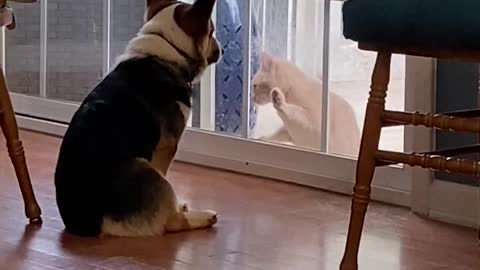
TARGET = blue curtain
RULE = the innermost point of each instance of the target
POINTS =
(229, 72)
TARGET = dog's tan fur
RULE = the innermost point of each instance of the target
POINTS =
(171, 26)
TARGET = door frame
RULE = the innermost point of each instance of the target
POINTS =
(436, 199)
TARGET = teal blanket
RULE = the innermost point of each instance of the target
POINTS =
(441, 24)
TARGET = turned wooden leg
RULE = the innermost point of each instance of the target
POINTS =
(366, 160)
(9, 127)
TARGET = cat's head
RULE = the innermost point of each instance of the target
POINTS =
(266, 78)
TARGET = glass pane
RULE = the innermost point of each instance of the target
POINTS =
(126, 20)
(287, 87)
(350, 72)
(218, 104)
(228, 78)
(75, 49)
(22, 50)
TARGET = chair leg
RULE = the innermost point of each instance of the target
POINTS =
(366, 160)
(9, 127)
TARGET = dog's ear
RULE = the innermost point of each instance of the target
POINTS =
(195, 19)
(202, 11)
(154, 6)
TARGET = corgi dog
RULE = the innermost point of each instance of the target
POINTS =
(110, 178)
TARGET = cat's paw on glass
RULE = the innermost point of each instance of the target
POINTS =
(278, 98)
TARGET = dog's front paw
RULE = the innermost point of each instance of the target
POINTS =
(278, 98)
(201, 219)
(213, 218)
(183, 207)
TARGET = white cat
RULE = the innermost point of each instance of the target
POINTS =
(297, 99)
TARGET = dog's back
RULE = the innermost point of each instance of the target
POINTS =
(121, 121)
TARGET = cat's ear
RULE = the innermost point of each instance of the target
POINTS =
(267, 61)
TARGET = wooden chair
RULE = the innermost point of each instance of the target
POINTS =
(409, 27)
(9, 127)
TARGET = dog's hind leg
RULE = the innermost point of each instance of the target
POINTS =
(140, 201)
(143, 203)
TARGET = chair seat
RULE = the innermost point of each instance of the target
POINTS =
(433, 24)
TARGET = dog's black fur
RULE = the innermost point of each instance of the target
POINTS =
(120, 123)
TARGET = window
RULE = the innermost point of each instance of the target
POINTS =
(22, 51)
(75, 47)
(66, 47)
(319, 68)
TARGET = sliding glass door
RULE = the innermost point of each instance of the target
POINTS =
(323, 79)
(307, 131)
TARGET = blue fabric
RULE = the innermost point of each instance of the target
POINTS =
(441, 24)
(229, 71)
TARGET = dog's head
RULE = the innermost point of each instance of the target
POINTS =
(179, 32)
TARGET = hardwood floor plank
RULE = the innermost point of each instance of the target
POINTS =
(264, 225)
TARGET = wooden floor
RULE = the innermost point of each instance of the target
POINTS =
(263, 225)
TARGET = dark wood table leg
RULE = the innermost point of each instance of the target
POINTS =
(9, 127)
(366, 160)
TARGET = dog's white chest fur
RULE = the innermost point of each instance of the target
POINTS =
(166, 149)
(186, 111)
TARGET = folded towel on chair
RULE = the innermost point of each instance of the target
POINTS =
(6, 17)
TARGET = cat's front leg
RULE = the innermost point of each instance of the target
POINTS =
(278, 98)
(297, 121)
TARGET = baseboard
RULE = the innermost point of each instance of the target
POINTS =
(42, 126)
(465, 221)
(380, 194)
(455, 203)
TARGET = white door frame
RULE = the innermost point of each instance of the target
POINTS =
(436, 199)
(420, 82)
